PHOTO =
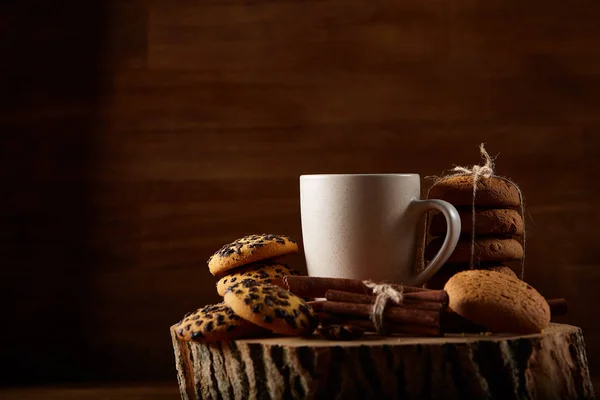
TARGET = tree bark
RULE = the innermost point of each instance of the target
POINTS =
(550, 365)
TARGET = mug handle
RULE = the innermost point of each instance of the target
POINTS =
(452, 234)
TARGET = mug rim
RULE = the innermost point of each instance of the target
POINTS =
(405, 175)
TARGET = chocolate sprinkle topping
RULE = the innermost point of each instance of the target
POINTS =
(257, 308)
(291, 321)
(303, 309)
(197, 335)
(248, 283)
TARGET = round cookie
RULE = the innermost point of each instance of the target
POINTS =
(491, 192)
(494, 221)
(486, 249)
(249, 249)
(440, 278)
(271, 307)
(215, 322)
(269, 271)
(499, 302)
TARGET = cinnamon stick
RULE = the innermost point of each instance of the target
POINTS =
(558, 306)
(391, 314)
(316, 305)
(390, 328)
(326, 318)
(313, 286)
(437, 296)
(347, 297)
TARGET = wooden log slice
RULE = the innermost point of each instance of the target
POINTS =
(550, 365)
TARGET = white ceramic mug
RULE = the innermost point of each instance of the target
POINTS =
(366, 226)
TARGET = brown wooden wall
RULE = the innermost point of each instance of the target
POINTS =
(139, 136)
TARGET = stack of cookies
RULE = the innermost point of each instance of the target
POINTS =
(498, 226)
(255, 301)
(255, 256)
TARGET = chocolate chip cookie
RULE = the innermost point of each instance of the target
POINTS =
(215, 322)
(249, 249)
(268, 271)
(271, 307)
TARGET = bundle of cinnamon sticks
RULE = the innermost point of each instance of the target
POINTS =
(421, 312)
(350, 302)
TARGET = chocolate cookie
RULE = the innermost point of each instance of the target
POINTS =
(499, 302)
(486, 249)
(268, 271)
(491, 192)
(249, 249)
(215, 322)
(271, 307)
(494, 221)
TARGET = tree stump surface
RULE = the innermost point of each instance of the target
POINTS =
(549, 365)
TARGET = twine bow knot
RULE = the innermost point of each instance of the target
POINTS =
(384, 293)
(477, 171)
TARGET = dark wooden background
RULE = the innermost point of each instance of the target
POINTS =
(137, 137)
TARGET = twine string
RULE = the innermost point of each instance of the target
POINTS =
(384, 293)
(476, 172)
